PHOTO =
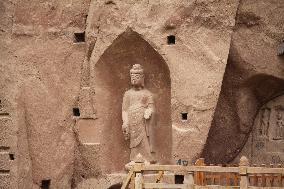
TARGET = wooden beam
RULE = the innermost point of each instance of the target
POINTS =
(164, 185)
(127, 180)
(138, 181)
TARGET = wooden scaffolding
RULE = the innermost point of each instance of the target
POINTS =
(201, 176)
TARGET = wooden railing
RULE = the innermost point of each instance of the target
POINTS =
(204, 176)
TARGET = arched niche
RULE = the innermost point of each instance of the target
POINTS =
(112, 79)
(234, 117)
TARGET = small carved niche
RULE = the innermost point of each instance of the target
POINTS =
(45, 184)
(171, 40)
(79, 37)
(184, 116)
(12, 157)
(76, 112)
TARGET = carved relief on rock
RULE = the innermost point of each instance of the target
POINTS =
(279, 129)
(267, 137)
(270, 122)
(264, 122)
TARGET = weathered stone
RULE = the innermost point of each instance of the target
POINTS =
(86, 104)
(5, 181)
(6, 127)
(254, 75)
(60, 55)
(4, 161)
(90, 154)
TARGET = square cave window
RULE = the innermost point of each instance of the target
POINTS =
(76, 112)
(171, 40)
(184, 116)
(79, 37)
(179, 179)
(45, 184)
(12, 156)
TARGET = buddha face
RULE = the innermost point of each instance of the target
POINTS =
(137, 79)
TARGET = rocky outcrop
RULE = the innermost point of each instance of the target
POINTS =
(253, 76)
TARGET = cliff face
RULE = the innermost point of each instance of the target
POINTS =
(40, 77)
(254, 75)
(51, 53)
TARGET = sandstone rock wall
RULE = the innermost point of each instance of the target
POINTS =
(253, 76)
(49, 66)
(40, 76)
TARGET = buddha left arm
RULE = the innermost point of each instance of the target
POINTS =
(150, 108)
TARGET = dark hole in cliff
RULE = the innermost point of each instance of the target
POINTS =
(110, 2)
(45, 184)
(79, 37)
(76, 111)
(116, 186)
(171, 39)
(4, 148)
(179, 179)
(184, 116)
(280, 50)
(12, 157)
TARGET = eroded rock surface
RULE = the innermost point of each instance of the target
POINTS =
(60, 57)
(253, 76)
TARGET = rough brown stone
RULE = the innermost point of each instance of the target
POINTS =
(46, 71)
(253, 76)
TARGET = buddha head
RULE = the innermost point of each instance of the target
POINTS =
(137, 76)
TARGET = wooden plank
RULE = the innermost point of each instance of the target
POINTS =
(254, 178)
(179, 168)
(250, 170)
(216, 187)
(189, 180)
(261, 170)
(132, 182)
(215, 169)
(244, 182)
(127, 180)
(228, 177)
(160, 176)
(173, 168)
(199, 176)
(138, 181)
(164, 185)
(255, 187)
(270, 178)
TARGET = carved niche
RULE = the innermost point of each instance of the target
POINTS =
(111, 80)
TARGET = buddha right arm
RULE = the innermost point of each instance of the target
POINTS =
(125, 127)
(125, 118)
